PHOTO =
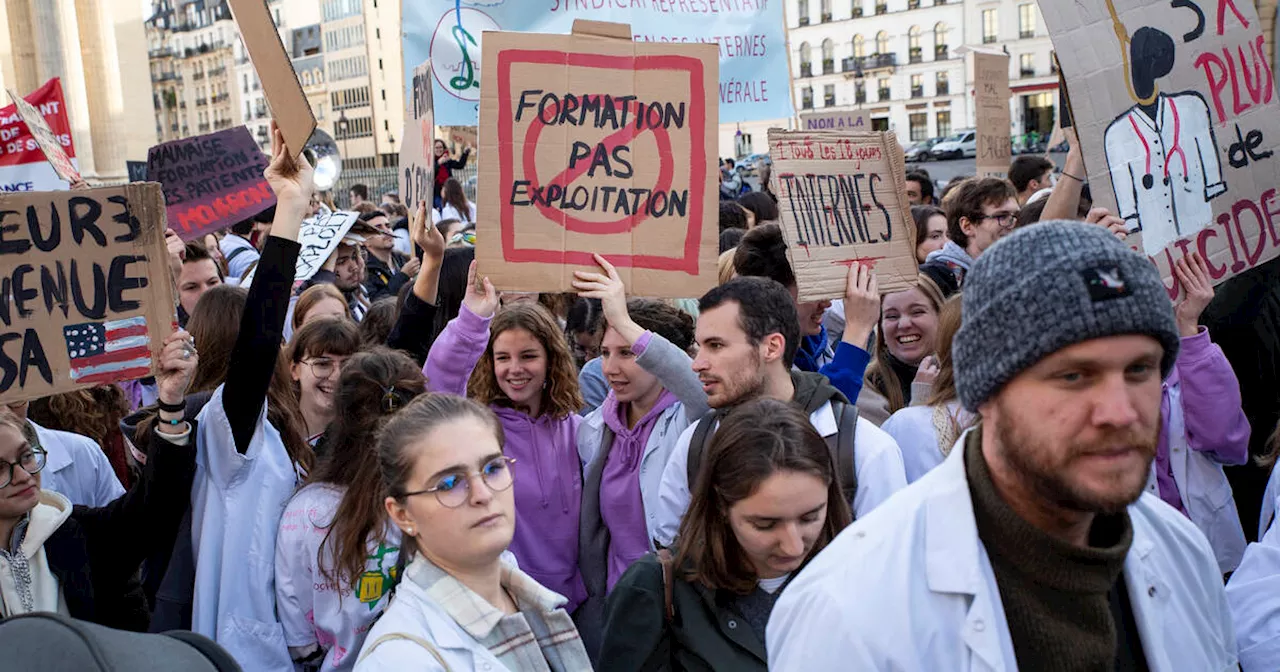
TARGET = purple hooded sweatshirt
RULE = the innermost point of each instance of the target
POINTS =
(548, 473)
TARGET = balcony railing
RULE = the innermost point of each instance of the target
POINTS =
(913, 4)
(806, 69)
(851, 64)
(173, 128)
(1026, 34)
(944, 88)
(860, 97)
(879, 61)
(218, 71)
(197, 76)
(881, 8)
(826, 17)
(915, 55)
(828, 66)
(806, 104)
(201, 101)
(221, 97)
(203, 128)
(829, 101)
(1028, 72)
(940, 52)
(917, 92)
(988, 39)
(804, 20)
(884, 94)
(857, 12)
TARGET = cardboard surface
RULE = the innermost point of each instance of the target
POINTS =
(559, 143)
(210, 181)
(1176, 110)
(45, 138)
(843, 202)
(417, 179)
(991, 84)
(844, 120)
(23, 166)
(86, 297)
(318, 239)
(289, 106)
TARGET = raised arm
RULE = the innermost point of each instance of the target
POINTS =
(464, 340)
(412, 331)
(262, 325)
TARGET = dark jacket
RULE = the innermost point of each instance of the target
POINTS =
(705, 633)
(380, 281)
(96, 552)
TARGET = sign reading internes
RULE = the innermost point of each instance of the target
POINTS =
(595, 144)
(843, 202)
(1176, 109)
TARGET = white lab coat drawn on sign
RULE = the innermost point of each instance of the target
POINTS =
(1165, 170)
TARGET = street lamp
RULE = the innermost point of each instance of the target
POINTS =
(342, 130)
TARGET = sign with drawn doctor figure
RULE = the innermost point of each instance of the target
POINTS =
(1176, 109)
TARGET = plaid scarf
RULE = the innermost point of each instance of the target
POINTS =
(539, 638)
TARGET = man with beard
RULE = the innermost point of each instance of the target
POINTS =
(747, 334)
(1032, 546)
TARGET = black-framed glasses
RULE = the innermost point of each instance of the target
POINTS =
(323, 367)
(31, 462)
(453, 490)
(1004, 221)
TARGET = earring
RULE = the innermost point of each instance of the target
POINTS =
(411, 532)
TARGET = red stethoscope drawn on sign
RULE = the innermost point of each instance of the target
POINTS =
(568, 176)
(1148, 179)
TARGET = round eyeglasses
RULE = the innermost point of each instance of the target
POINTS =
(453, 490)
(31, 462)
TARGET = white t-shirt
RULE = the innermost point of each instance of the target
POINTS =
(450, 212)
(313, 610)
(771, 586)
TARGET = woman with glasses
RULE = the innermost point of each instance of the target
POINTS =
(316, 355)
(336, 552)
(766, 501)
(517, 362)
(461, 605)
(81, 561)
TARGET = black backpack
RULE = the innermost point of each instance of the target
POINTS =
(47, 642)
(840, 444)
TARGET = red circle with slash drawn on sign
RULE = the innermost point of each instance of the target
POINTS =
(569, 175)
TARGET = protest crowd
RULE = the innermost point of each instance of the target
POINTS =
(1023, 455)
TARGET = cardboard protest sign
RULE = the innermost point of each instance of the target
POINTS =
(417, 177)
(23, 166)
(991, 84)
(1177, 115)
(318, 239)
(86, 297)
(595, 144)
(211, 181)
(462, 136)
(288, 103)
(45, 138)
(844, 120)
(843, 202)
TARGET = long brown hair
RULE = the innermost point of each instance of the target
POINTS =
(944, 386)
(374, 386)
(313, 295)
(561, 396)
(881, 376)
(94, 412)
(325, 336)
(755, 441)
(415, 421)
(215, 326)
(453, 194)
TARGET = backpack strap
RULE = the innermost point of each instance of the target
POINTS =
(698, 445)
(841, 446)
(393, 636)
(235, 253)
(668, 583)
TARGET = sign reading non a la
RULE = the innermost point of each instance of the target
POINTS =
(417, 179)
(598, 145)
(991, 83)
(210, 181)
(86, 296)
(1176, 110)
(843, 202)
(843, 120)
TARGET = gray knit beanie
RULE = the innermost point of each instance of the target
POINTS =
(1048, 286)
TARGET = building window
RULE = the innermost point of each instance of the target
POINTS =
(857, 9)
(940, 31)
(944, 123)
(1027, 64)
(829, 95)
(882, 42)
(332, 10)
(990, 26)
(883, 86)
(943, 84)
(860, 92)
(914, 52)
(826, 10)
(859, 46)
(828, 56)
(806, 60)
(803, 10)
(806, 98)
(919, 125)
(1027, 20)
(917, 86)
(348, 68)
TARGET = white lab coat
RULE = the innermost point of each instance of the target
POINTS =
(1204, 489)
(76, 468)
(236, 504)
(910, 587)
(1252, 594)
(877, 464)
(1179, 143)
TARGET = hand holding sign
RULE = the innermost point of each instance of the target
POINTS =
(177, 365)
(1193, 274)
(611, 292)
(861, 305)
(292, 180)
(481, 298)
(427, 237)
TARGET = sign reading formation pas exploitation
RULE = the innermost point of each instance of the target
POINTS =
(417, 179)
(845, 120)
(210, 181)
(750, 35)
(991, 91)
(86, 297)
(598, 145)
(1178, 116)
(843, 202)
(23, 165)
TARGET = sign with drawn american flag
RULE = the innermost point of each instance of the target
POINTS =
(86, 296)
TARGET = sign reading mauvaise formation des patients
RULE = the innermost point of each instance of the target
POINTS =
(86, 296)
(592, 143)
(210, 181)
(843, 202)
(749, 35)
